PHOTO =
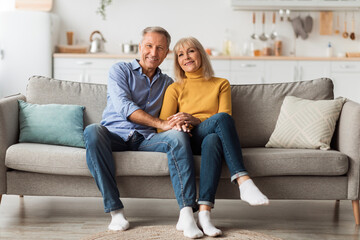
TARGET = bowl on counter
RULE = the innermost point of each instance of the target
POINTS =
(130, 48)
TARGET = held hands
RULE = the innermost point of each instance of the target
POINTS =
(183, 121)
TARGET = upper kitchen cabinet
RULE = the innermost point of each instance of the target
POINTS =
(295, 4)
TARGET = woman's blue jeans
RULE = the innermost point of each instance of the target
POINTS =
(100, 143)
(216, 138)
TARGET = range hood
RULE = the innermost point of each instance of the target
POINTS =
(299, 5)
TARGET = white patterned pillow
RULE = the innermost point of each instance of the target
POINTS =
(304, 123)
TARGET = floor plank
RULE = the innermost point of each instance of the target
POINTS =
(73, 218)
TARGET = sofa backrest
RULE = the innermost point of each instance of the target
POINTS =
(255, 107)
(43, 90)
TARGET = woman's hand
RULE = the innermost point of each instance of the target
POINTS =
(182, 118)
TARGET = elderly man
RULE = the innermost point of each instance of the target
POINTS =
(130, 119)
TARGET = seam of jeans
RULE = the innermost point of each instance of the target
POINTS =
(97, 175)
(177, 169)
(224, 145)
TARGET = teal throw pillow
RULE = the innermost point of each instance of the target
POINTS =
(52, 124)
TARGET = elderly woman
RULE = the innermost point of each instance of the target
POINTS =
(200, 104)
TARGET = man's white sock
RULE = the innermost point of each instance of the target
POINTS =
(251, 194)
(118, 221)
(187, 224)
(206, 225)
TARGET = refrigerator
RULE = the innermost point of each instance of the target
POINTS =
(27, 42)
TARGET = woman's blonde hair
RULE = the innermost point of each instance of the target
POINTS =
(208, 71)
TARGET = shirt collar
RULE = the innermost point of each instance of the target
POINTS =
(136, 67)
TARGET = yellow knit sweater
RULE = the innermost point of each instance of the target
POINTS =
(197, 96)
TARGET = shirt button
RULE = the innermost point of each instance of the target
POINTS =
(148, 102)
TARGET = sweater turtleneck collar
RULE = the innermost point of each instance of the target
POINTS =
(198, 74)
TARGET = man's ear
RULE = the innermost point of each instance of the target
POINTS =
(139, 47)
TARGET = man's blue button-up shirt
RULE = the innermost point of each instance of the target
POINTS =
(128, 90)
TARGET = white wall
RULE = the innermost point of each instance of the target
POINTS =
(206, 20)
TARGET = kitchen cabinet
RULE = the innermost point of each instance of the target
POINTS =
(307, 70)
(295, 4)
(346, 78)
(167, 67)
(280, 71)
(345, 74)
(221, 68)
(277, 71)
(246, 72)
(92, 70)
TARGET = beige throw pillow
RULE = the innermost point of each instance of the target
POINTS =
(304, 123)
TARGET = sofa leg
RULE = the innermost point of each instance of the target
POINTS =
(21, 196)
(0, 198)
(355, 205)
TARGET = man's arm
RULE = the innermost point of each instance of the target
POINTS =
(141, 117)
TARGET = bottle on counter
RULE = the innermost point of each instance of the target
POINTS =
(278, 48)
(329, 50)
(227, 44)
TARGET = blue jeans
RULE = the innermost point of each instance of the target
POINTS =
(214, 139)
(100, 143)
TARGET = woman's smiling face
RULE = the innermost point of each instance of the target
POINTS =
(189, 59)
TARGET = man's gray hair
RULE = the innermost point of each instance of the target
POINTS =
(159, 30)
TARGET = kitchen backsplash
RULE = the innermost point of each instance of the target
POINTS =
(211, 21)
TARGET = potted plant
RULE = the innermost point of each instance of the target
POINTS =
(102, 8)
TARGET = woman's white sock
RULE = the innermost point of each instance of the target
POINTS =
(118, 221)
(187, 224)
(251, 194)
(206, 225)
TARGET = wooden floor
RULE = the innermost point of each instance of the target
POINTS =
(75, 218)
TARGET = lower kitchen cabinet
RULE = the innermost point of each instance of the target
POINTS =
(345, 74)
(346, 78)
(280, 71)
(246, 72)
(277, 71)
(308, 70)
(91, 70)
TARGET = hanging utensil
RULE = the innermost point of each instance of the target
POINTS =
(254, 35)
(263, 36)
(337, 29)
(345, 33)
(281, 13)
(352, 34)
(288, 15)
(273, 34)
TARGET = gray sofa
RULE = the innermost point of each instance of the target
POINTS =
(40, 169)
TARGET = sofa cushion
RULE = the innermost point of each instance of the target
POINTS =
(51, 124)
(43, 158)
(304, 123)
(63, 160)
(256, 107)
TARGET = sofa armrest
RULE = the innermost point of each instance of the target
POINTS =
(348, 142)
(9, 131)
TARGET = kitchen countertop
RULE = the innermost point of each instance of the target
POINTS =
(109, 55)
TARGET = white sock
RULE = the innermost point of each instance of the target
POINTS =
(206, 225)
(187, 223)
(118, 221)
(251, 194)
